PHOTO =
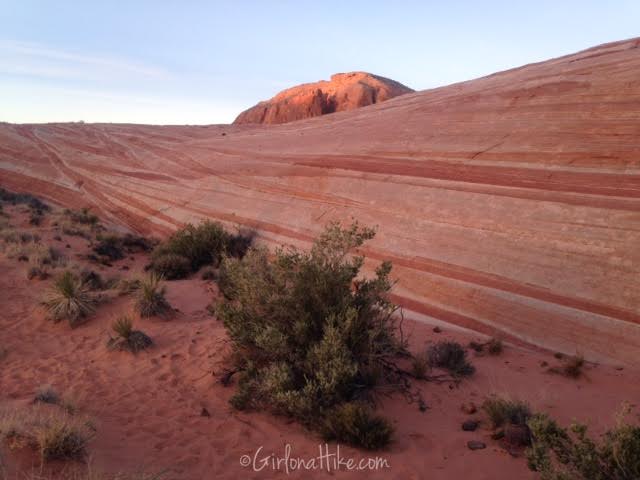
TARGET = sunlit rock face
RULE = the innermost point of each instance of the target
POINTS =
(508, 204)
(345, 91)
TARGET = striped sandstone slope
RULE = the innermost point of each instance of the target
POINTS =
(508, 203)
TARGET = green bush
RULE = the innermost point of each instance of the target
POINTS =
(570, 454)
(355, 424)
(450, 356)
(171, 266)
(309, 334)
(200, 245)
(114, 246)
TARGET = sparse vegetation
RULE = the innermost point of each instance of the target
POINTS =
(82, 216)
(451, 356)
(127, 338)
(54, 434)
(571, 366)
(79, 223)
(150, 299)
(493, 346)
(310, 337)
(559, 453)
(69, 299)
(33, 202)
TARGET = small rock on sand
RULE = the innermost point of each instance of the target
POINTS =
(470, 425)
(476, 445)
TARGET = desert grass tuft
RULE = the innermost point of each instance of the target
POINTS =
(46, 394)
(502, 411)
(150, 299)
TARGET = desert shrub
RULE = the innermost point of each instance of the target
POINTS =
(114, 246)
(41, 256)
(570, 454)
(18, 237)
(79, 223)
(33, 202)
(109, 246)
(37, 272)
(150, 299)
(354, 423)
(60, 440)
(200, 245)
(571, 366)
(239, 244)
(69, 298)
(171, 266)
(92, 279)
(420, 365)
(35, 218)
(136, 243)
(82, 216)
(308, 334)
(127, 338)
(46, 394)
(502, 411)
(495, 346)
(450, 356)
(209, 273)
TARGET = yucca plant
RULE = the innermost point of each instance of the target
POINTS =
(69, 299)
(123, 326)
(127, 338)
(150, 297)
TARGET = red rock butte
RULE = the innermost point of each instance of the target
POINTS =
(508, 204)
(345, 91)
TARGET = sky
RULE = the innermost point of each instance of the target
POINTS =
(203, 62)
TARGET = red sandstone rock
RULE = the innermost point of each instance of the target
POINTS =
(345, 91)
(508, 205)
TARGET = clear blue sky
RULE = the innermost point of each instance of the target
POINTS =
(201, 62)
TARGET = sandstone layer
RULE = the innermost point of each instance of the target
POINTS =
(345, 91)
(508, 204)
